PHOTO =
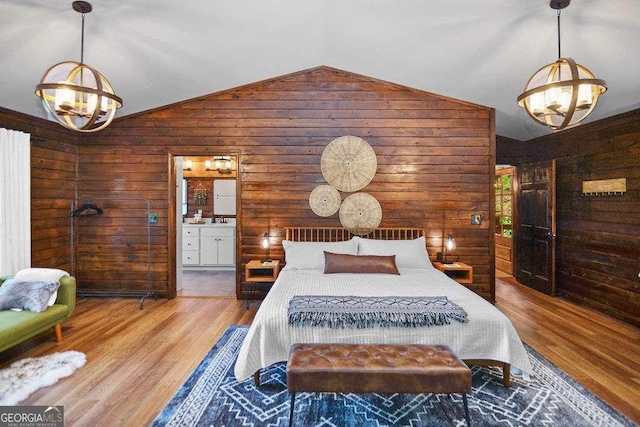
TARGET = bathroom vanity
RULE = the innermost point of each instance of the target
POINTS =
(211, 245)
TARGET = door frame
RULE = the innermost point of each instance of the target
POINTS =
(513, 170)
(172, 209)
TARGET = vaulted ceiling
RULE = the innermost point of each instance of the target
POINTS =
(157, 52)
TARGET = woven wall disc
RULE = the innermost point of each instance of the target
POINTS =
(360, 212)
(348, 163)
(325, 200)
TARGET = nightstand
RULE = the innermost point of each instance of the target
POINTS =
(458, 271)
(256, 271)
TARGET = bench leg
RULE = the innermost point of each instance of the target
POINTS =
(506, 375)
(293, 401)
(58, 330)
(466, 410)
(256, 378)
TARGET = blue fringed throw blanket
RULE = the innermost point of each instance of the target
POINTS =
(367, 312)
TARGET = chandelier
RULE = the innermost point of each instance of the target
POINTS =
(78, 96)
(563, 93)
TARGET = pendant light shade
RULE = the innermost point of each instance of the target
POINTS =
(76, 95)
(563, 93)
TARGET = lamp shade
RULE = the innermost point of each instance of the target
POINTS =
(78, 96)
(561, 94)
(265, 246)
(451, 245)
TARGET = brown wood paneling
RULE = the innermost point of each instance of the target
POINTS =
(509, 151)
(435, 162)
(435, 167)
(598, 243)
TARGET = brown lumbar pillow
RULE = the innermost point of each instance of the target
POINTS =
(343, 263)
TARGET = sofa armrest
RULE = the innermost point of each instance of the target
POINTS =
(5, 277)
(67, 293)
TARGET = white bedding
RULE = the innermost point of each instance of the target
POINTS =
(487, 335)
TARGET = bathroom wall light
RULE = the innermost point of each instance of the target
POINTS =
(223, 164)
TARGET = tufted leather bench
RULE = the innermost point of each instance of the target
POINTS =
(376, 368)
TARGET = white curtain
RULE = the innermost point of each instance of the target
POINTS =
(15, 201)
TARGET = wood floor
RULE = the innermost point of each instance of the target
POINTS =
(137, 359)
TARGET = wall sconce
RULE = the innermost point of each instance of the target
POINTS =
(265, 245)
(450, 245)
(188, 164)
(222, 164)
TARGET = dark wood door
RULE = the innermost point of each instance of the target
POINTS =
(535, 231)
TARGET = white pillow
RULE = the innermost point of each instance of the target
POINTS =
(409, 253)
(42, 275)
(310, 255)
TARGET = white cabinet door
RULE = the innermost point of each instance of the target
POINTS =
(208, 250)
(217, 246)
(226, 250)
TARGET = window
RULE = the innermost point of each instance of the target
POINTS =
(504, 198)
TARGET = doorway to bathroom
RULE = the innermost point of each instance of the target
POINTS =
(206, 228)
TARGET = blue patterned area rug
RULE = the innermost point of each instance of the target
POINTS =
(212, 397)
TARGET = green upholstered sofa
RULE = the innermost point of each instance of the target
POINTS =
(18, 326)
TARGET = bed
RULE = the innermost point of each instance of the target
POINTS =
(488, 338)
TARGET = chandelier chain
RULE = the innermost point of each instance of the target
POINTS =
(82, 42)
(559, 54)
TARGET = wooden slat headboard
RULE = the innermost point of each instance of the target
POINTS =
(338, 234)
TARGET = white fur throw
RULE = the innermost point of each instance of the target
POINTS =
(26, 376)
(26, 295)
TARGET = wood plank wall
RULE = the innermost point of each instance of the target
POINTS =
(435, 155)
(435, 158)
(598, 236)
(53, 177)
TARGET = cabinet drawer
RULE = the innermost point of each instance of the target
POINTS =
(190, 243)
(218, 232)
(191, 231)
(190, 257)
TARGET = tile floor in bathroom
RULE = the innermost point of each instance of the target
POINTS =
(208, 283)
